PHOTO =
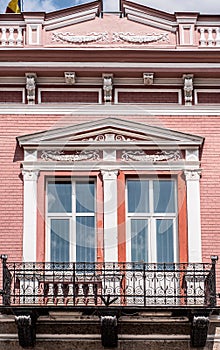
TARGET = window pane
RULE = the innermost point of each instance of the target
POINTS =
(85, 193)
(59, 197)
(138, 196)
(165, 249)
(164, 196)
(59, 245)
(85, 239)
(139, 240)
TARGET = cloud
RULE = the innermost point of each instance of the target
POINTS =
(211, 6)
(40, 5)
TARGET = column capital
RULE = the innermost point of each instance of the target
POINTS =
(30, 175)
(108, 174)
(193, 175)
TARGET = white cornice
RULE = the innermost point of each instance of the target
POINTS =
(142, 17)
(115, 65)
(109, 110)
(98, 81)
(74, 18)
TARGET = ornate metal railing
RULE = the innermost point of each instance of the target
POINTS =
(105, 284)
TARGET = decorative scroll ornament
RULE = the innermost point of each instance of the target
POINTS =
(31, 87)
(109, 138)
(60, 156)
(107, 87)
(141, 156)
(199, 331)
(140, 39)
(80, 39)
(188, 89)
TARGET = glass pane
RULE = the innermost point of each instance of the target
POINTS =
(85, 194)
(165, 249)
(85, 239)
(139, 240)
(59, 245)
(59, 197)
(138, 196)
(164, 196)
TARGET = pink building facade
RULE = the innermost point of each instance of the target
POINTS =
(109, 161)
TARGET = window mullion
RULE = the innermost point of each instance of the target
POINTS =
(73, 224)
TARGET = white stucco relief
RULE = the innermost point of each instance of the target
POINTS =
(139, 38)
(139, 156)
(77, 157)
(80, 39)
(107, 37)
(108, 137)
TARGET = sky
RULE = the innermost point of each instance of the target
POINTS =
(210, 6)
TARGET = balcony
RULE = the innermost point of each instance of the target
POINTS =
(108, 290)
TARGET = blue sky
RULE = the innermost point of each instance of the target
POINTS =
(210, 6)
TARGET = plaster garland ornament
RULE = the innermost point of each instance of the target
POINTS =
(141, 156)
(31, 87)
(60, 156)
(188, 89)
(80, 39)
(109, 137)
(140, 39)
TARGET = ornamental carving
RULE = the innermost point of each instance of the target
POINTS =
(141, 156)
(140, 39)
(80, 39)
(109, 138)
(193, 175)
(60, 156)
(107, 87)
(188, 89)
(31, 87)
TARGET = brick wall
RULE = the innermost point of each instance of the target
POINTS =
(69, 97)
(147, 97)
(11, 189)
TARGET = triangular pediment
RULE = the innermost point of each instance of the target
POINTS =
(108, 132)
(139, 26)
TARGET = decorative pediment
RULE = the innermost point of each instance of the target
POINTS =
(110, 132)
(140, 26)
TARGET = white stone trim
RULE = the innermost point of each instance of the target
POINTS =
(110, 214)
(117, 110)
(14, 89)
(193, 215)
(40, 90)
(73, 65)
(179, 91)
(30, 215)
(210, 91)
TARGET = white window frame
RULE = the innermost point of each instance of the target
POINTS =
(71, 216)
(151, 217)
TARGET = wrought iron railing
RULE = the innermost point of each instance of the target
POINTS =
(105, 284)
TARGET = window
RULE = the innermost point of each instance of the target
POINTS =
(151, 220)
(71, 221)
